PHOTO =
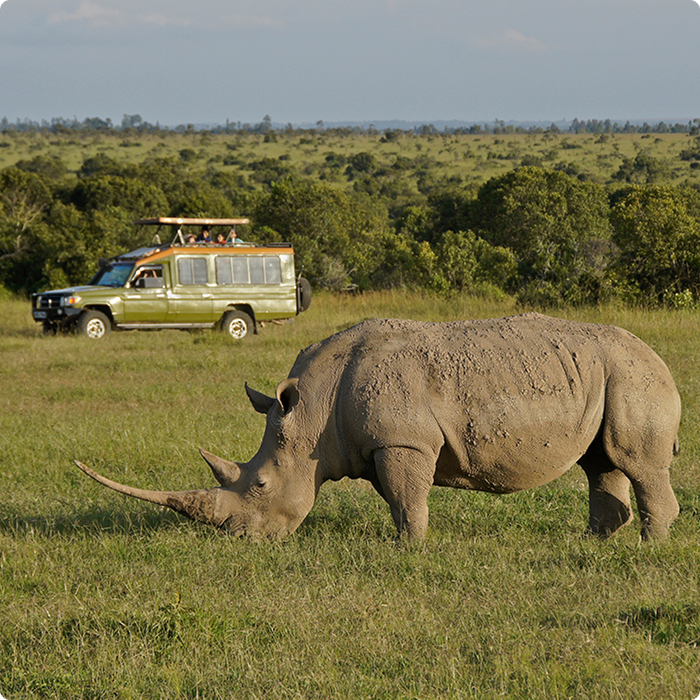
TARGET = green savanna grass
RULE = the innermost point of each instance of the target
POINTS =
(470, 158)
(102, 596)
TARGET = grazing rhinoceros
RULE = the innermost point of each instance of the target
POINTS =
(497, 405)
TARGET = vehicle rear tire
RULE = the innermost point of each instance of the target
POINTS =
(303, 294)
(93, 324)
(237, 324)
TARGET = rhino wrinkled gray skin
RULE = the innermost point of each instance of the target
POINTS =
(498, 405)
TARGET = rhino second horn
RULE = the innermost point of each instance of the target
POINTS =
(225, 472)
(197, 505)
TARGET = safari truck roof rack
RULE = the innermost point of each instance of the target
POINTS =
(138, 253)
(131, 255)
(188, 221)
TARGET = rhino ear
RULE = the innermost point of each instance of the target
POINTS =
(261, 403)
(288, 394)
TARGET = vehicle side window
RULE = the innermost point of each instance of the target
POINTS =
(192, 271)
(223, 271)
(248, 269)
(241, 273)
(273, 274)
(257, 271)
(150, 277)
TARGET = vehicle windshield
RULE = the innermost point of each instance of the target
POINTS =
(113, 275)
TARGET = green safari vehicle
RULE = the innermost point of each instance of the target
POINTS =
(189, 283)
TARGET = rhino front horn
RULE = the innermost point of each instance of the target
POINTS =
(200, 505)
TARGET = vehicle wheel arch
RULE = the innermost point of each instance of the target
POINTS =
(246, 309)
(102, 308)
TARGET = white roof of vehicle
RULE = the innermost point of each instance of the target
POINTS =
(192, 222)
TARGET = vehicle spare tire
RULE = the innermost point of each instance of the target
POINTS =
(303, 294)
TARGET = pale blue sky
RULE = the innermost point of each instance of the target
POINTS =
(179, 61)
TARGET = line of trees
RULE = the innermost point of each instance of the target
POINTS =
(543, 235)
(134, 123)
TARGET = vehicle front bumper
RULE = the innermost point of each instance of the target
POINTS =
(62, 314)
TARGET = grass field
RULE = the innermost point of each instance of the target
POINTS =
(107, 597)
(470, 158)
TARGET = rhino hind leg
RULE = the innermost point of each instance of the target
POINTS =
(610, 508)
(640, 437)
(609, 482)
(404, 477)
(657, 504)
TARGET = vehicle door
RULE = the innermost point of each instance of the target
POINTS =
(191, 300)
(145, 298)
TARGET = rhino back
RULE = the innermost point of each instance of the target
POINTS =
(503, 404)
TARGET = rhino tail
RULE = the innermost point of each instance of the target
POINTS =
(676, 447)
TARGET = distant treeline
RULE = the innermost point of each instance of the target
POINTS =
(133, 123)
(546, 236)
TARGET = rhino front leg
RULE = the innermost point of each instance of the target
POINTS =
(405, 476)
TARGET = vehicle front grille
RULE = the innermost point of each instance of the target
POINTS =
(48, 301)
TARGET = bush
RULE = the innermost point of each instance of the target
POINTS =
(643, 168)
(658, 233)
(557, 226)
(465, 261)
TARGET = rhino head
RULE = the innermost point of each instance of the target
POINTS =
(268, 496)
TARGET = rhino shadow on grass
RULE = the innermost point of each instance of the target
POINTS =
(98, 519)
(498, 405)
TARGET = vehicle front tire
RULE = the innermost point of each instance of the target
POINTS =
(237, 324)
(93, 324)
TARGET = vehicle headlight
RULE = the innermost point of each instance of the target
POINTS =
(70, 301)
